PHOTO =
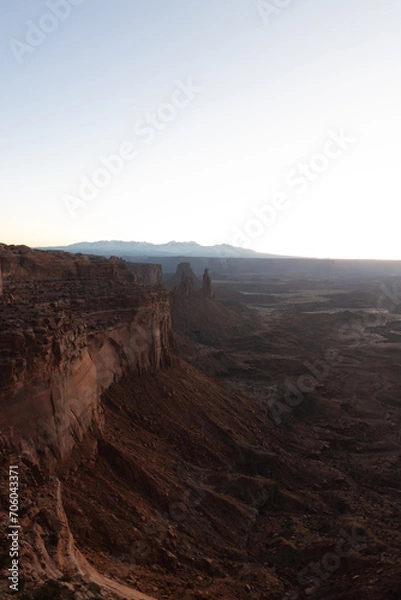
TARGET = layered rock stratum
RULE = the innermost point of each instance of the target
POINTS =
(176, 465)
(70, 326)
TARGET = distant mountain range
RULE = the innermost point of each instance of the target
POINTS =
(146, 250)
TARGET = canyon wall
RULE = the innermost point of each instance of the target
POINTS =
(69, 327)
(20, 263)
(147, 273)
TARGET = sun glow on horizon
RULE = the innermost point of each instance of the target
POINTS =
(192, 133)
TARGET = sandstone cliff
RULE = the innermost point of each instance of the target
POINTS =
(195, 312)
(172, 483)
(148, 274)
(70, 326)
(184, 271)
(65, 338)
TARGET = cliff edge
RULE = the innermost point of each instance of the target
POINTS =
(70, 326)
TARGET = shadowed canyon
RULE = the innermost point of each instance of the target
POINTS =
(225, 435)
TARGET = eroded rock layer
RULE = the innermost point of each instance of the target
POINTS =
(70, 326)
(203, 480)
(66, 334)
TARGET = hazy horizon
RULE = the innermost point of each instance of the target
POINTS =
(258, 125)
(209, 245)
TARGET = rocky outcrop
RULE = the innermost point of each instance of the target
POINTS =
(185, 289)
(20, 263)
(207, 285)
(70, 326)
(65, 337)
(197, 315)
(185, 283)
(148, 274)
(184, 272)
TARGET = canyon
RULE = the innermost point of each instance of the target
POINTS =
(151, 460)
(70, 327)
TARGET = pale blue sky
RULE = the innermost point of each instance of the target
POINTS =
(270, 93)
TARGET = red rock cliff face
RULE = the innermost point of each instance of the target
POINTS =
(147, 273)
(20, 263)
(69, 327)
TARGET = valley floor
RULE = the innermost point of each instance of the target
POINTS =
(263, 463)
(268, 469)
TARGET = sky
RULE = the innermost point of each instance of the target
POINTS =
(268, 124)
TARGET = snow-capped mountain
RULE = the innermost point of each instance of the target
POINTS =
(145, 249)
